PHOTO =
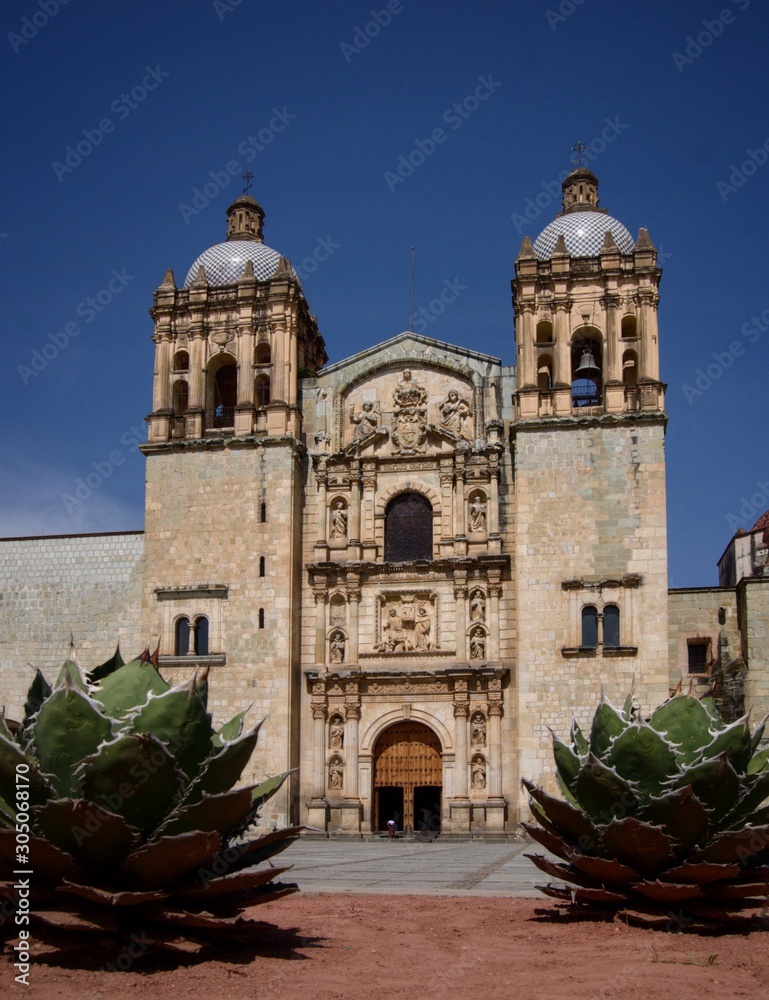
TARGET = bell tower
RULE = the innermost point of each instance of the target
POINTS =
(225, 461)
(588, 450)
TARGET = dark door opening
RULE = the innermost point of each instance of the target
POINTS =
(389, 802)
(427, 808)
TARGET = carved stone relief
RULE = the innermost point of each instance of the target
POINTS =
(457, 415)
(478, 772)
(339, 519)
(366, 420)
(478, 509)
(406, 624)
(409, 426)
(336, 732)
(336, 773)
(477, 643)
(478, 606)
(478, 729)
(337, 647)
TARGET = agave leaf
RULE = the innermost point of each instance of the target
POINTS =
(605, 871)
(252, 852)
(268, 788)
(628, 709)
(134, 776)
(567, 793)
(550, 839)
(226, 814)
(566, 872)
(715, 783)
(579, 742)
(128, 687)
(27, 777)
(603, 793)
(699, 873)
(759, 817)
(681, 814)
(607, 724)
(84, 918)
(570, 822)
(668, 892)
(230, 730)
(179, 719)
(639, 845)
(109, 897)
(606, 896)
(68, 727)
(73, 671)
(758, 734)
(748, 847)
(105, 669)
(39, 690)
(98, 840)
(755, 788)
(640, 755)
(217, 888)
(686, 723)
(50, 863)
(758, 761)
(160, 862)
(175, 917)
(220, 772)
(757, 891)
(567, 762)
(735, 742)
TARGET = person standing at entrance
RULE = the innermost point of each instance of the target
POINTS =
(392, 826)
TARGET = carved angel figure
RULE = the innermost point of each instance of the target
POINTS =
(456, 414)
(366, 420)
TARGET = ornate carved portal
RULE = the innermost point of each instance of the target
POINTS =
(408, 777)
(409, 426)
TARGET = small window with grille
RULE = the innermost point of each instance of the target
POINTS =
(697, 652)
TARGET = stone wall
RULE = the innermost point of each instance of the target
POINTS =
(591, 529)
(87, 585)
(753, 596)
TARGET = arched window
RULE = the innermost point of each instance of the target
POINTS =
(181, 397)
(611, 626)
(544, 332)
(201, 635)
(262, 391)
(630, 368)
(263, 354)
(181, 361)
(629, 327)
(545, 374)
(589, 627)
(221, 391)
(408, 528)
(586, 377)
(182, 637)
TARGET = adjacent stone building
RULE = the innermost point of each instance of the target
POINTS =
(415, 560)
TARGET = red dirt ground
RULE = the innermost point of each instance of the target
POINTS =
(328, 947)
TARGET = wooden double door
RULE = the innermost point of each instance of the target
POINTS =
(408, 777)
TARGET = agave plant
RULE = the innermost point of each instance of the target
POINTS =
(663, 819)
(116, 794)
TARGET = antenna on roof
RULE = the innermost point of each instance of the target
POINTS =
(579, 159)
(413, 266)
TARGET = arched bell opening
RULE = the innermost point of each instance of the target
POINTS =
(586, 368)
(221, 391)
(544, 333)
(262, 391)
(408, 778)
(545, 373)
(630, 369)
(628, 327)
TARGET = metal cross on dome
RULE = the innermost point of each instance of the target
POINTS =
(247, 177)
(580, 158)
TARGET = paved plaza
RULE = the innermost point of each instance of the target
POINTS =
(441, 868)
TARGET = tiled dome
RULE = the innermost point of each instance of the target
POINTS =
(584, 233)
(226, 262)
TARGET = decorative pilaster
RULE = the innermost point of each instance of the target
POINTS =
(352, 711)
(461, 712)
(319, 713)
(460, 597)
(495, 804)
(353, 604)
(495, 592)
(320, 593)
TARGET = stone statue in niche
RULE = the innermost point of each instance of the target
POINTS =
(478, 508)
(335, 773)
(337, 648)
(409, 428)
(366, 420)
(336, 733)
(456, 415)
(477, 644)
(478, 729)
(478, 768)
(422, 626)
(394, 638)
(339, 520)
(478, 606)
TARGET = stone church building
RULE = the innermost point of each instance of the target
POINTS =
(412, 561)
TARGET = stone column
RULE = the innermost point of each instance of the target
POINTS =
(320, 593)
(353, 604)
(460, 598)
(495, 592)
(562, 359)
(367, 512)
(495, 542)
(319, 713)
(495, 804)
(460, 807)
(526, 365)
(321, 481)
(613, 360)
(162, 390)
(460, 516)
(351, 750)
(353, 526)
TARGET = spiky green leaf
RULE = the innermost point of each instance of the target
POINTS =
(99, 840)
(231, 730)
(641, 756)
(179, 719)
(735, 742)
(127, 688)
(567, 762)
(226, 814)
(607, 725)
(18, 772)
(603, 793)
(646, 848)
(39, 690)
(105, 669)
(161, 862)
(681, 814)
(221, 771)
(686, 724)
(267, 789)
(715, 783)
(580, 744)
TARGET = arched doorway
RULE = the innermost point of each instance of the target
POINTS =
(408, 777)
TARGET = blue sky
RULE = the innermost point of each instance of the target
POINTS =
(158, 99)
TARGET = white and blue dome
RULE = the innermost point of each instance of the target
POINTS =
(584, 232)
(226, 262)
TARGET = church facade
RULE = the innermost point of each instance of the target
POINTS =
(414, 561)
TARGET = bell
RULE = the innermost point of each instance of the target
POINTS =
(587, 367)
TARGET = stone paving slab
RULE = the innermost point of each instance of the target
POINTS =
(404, 866)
